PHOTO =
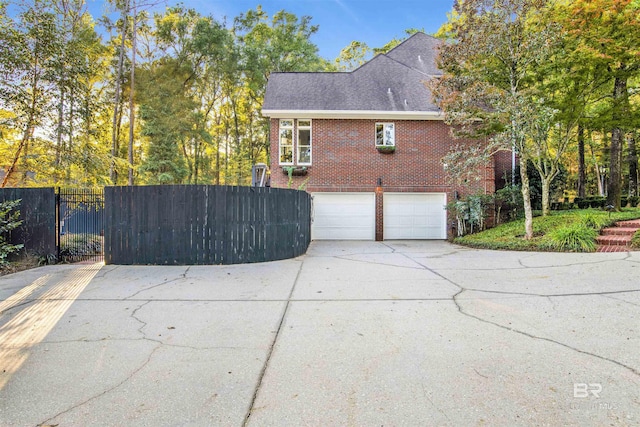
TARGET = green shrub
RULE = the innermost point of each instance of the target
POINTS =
(630, 201)
(509, 203)
(77, 245)
(635, 241)
(574, 238)
(471, 213)
(8, 221)
(593, 220)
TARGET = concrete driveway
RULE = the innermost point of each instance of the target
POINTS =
(351, 334)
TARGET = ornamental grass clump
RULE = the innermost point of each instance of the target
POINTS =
(635, 240)
(574, 238)
(594, 221)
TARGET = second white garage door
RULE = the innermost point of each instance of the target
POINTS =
(415, 216)
(343, 216)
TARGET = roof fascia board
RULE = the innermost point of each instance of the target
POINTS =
(352, 114)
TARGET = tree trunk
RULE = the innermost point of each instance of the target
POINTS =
(25, 162)
(218, 121)
(30, 126)
(614, 186)
(196, 160)
(131, 90)
(633, 166)
(226, 153)
(582, 176)
(546, 184)
(116, 105)
(70, 145)
(59, 132)
(236, 128)
(597, 171)
(526, 196)
(28, 133)
(189, 162)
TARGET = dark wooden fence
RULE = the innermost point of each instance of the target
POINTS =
(201, 224)
(38, 213)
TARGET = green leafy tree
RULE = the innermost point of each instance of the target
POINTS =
(396, 41)
(79, 70)
(205, 47)
(352, 56)
(190, 47)
(29, 50)
(280, 44)
(265, 45)
(606, 34)
(167, 114)
(487, 89)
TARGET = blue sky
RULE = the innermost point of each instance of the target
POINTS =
(374, 22)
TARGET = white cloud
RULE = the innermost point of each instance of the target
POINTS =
(347, 10)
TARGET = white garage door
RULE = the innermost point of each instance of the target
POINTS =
(343, 216)
(415, 216)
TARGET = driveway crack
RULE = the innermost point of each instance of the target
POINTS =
(104, 392)
(271, 347)
(533, 294)
(520, 332)
(621, 300)
(166, 282)
(158, 343)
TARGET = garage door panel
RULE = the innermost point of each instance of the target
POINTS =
(343, 216)
(414, 216)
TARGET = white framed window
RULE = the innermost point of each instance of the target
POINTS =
(304, 142)
(385, 134)
(286, 141)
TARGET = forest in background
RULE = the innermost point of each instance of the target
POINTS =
(167, 98)
(175, 97)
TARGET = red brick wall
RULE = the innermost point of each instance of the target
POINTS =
(503, 165)
(345, 158)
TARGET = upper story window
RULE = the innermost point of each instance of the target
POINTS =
(286, 142)
(295, 137)
(304, 142)
(385, 134)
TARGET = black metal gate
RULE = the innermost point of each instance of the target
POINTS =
(80, 214)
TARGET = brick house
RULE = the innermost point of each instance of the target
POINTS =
(368, 145)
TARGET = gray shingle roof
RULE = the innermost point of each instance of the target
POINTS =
(393, 82)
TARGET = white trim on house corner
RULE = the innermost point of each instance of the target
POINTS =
(353, 114)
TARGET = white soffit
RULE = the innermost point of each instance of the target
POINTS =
(353, 114)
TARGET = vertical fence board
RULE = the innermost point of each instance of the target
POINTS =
(180, 225)
(38, 213)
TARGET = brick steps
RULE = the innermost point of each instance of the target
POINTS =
(610, 249)
(618, 238)
(634, 223)
(618, 231)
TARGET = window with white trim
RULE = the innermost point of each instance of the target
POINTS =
(385, 134)
(286, 142)
(304, 142)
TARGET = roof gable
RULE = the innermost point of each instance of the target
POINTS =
(418, 52)
(389, 83)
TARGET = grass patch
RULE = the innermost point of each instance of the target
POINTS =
(22, 262)
(560, 231)
(78, 245)
(635, 240)
(578, 237)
